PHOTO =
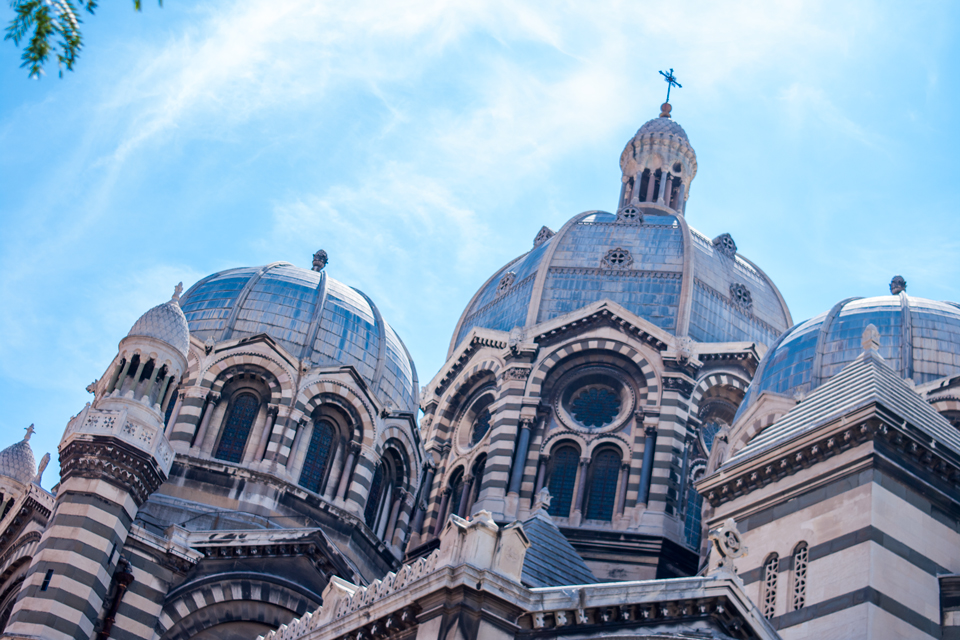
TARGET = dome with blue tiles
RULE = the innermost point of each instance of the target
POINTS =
(166, 323)
(315, 318)
(919, 339)
(645, 259)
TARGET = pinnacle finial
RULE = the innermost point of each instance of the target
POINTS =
(30, 431)
(319, 260)
(671, 81)
(871, 338)
(177, 290)
(897, 285)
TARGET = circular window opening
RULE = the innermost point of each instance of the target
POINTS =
(677, 167)
(595, 407)
(594, 400)
(481, 424)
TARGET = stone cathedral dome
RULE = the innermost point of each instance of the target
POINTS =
(919, 339)
(645, 257)
(165, 322)
(315, 318)
(17, 461)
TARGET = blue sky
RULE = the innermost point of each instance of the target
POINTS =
(423, 144)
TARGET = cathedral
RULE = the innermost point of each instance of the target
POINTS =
(630, 438)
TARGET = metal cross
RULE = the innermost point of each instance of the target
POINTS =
(671, 82)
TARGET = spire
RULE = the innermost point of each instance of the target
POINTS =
(177, 290)
(30, 431)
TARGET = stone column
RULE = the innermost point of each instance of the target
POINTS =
(684, 467)
(622, 493)
(681, 196)
(664, 188)
(330, 485)
(581, 484)
(520, 459)
(272, 411)
(394, 514)
(136, 378)
(646, 472)
(116, 375)
(166, 393)
(148, 388)
(651, 182)
(212, 400)
(298, 442)
(442, 514)
(541, 474)
(465, 496)
(421, 511)
(174, 415)
(635, 196)
(347, 471)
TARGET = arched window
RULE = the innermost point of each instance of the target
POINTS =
(318, 455)
(478, 468)
(801, 557)
(243, 412)
(644, 185)
(456, 492)
(480, 426)
(563, 477)
(169, 411)
(769, 602)
(604, 473)
(373, 497)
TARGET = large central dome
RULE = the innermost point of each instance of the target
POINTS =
(313, 317)
(645, 258)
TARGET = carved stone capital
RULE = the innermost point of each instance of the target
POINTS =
(213, 398)
(650, 431)
(114, 461)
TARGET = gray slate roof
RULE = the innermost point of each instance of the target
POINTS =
(551, 560)
(866, 380)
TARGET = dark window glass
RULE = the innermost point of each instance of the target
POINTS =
(237, 430)
(480, 427)
(603, 485)
(691, 526)
(595, 407)
(709, 431)
(318, 454)
(562, 479)
(456, 492)
(478, 470)
(373, 498)
(169, 412)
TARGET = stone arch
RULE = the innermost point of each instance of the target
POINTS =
(649, 392)
(345, 396)
(349, 409)
(609, 440)
(558, 439)
(948, 407)
(715, 379)
(21, 551)
(399, 438)
(228, 598)
(273, 373)
(465, 384)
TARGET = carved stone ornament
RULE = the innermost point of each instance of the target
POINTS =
(121, 465)
(506, 282)
(728, 544)
(740, 296)
(319, 260)
(897, 285)
(543, 235)
(618, 259)
(208, 345)
(630, 215)
(724, 244)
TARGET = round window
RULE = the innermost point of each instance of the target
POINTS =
(594, 398)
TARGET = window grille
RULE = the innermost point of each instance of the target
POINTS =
(595, 407)
(603, 485)
(800, 560)
(318, 454)
(769, 602)
(237, 430)
(480, 427)
(562, 479)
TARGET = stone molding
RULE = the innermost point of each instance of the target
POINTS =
(114, 461)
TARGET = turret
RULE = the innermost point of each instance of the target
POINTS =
(113, 455)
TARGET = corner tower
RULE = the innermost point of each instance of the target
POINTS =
(113, 455)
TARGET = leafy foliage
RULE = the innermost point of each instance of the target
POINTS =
(50, 26)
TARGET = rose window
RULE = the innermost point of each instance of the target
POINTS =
(725, 244)
(629, 214)
(740, 296)
(618, 258)
(595, 407)
(506, 281)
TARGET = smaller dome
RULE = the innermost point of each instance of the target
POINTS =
(17, 461)
(663, 125)
(167, 323)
